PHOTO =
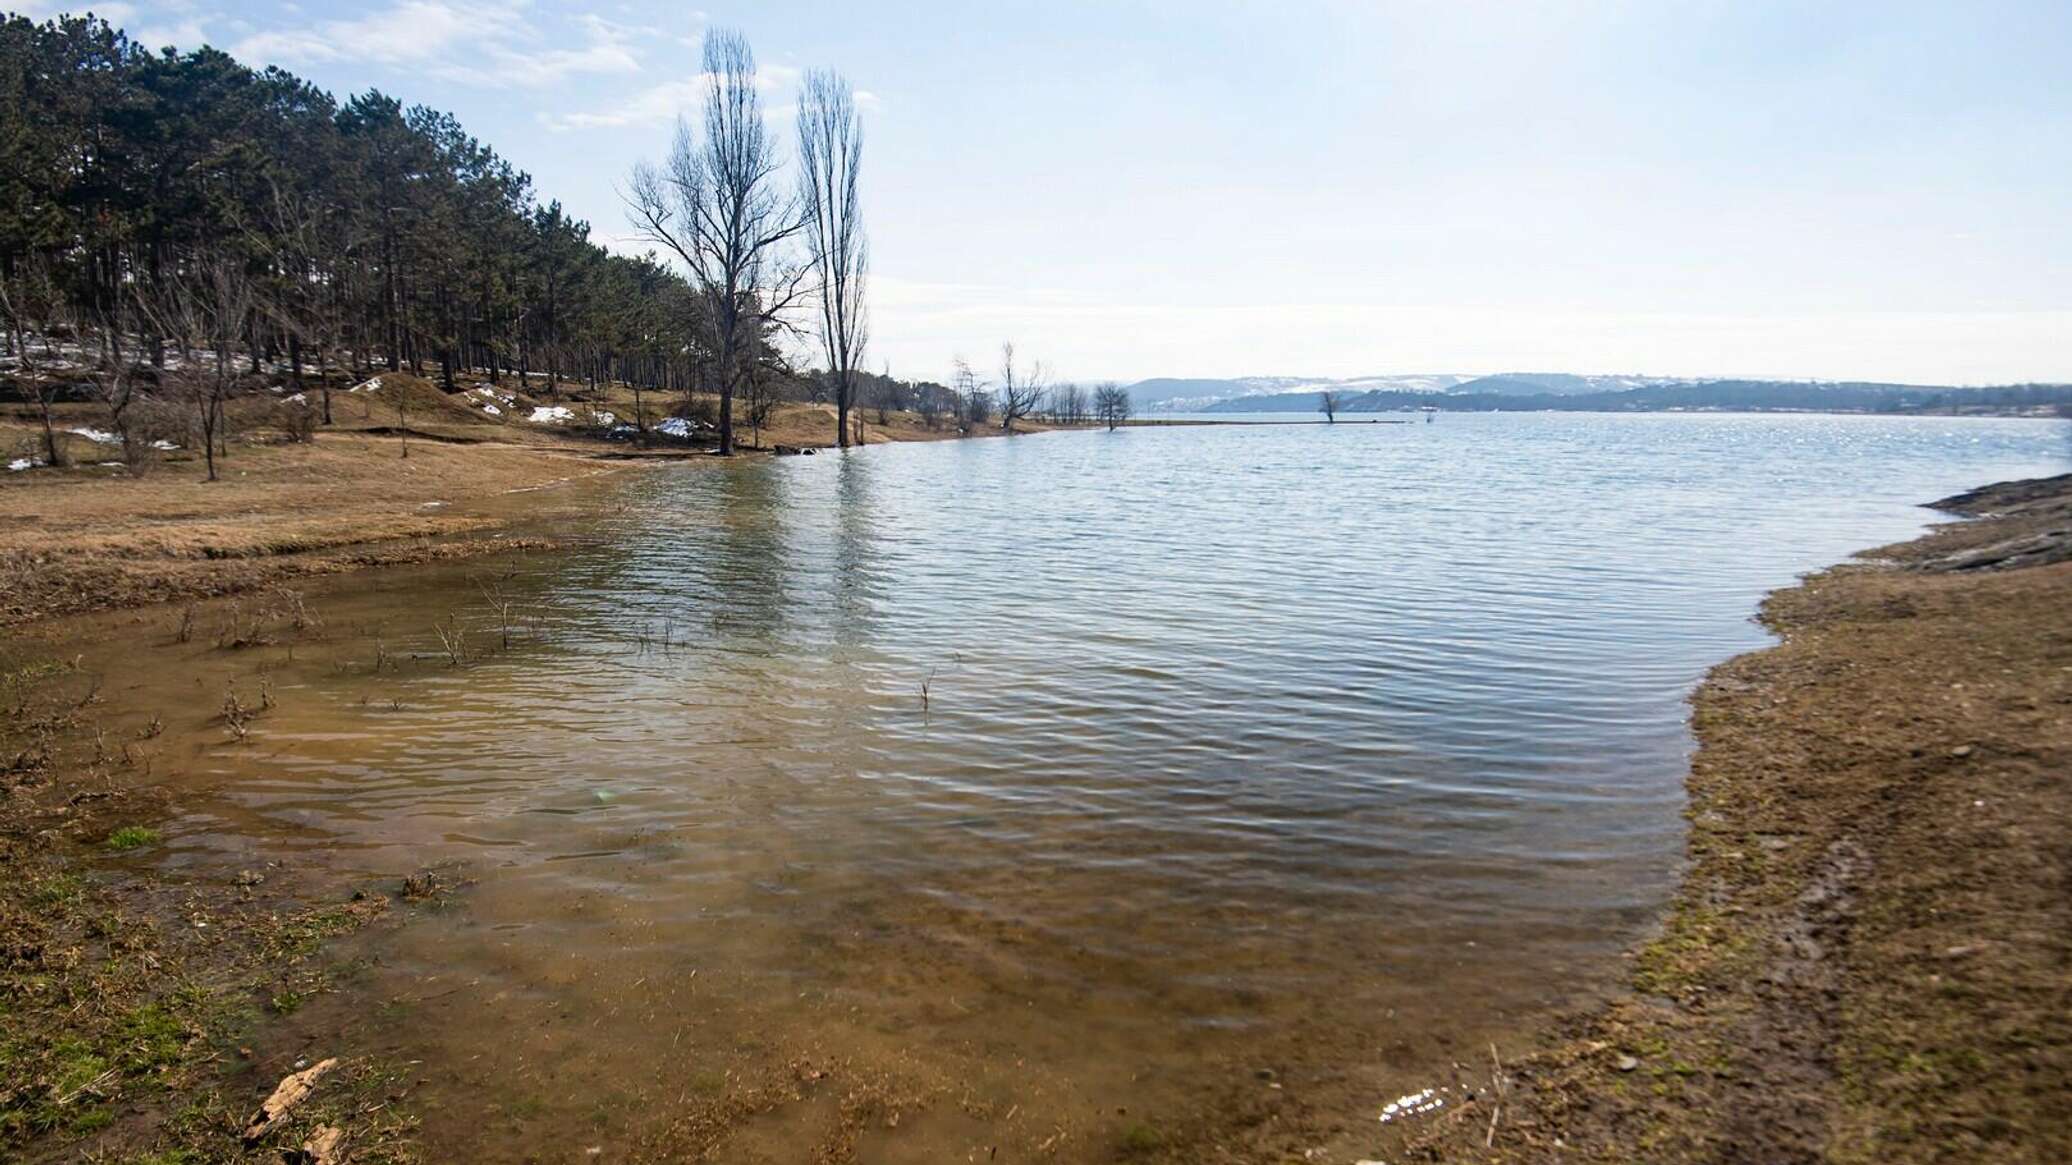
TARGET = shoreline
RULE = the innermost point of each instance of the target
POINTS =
(1866, 957)
(97, 536)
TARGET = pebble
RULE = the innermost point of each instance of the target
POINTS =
(1627, 1063)
(1961, 751)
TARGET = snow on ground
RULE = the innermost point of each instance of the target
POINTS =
(371, 385)
(674, 427)
(97, 436)
(490, 399)
(21, 463)
(562, 415)
(298, 399)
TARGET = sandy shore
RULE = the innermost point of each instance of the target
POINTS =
(1870, 957)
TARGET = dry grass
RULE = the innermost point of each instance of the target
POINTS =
(90, 538)
(100, 535)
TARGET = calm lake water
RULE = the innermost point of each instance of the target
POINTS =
(1040, 795)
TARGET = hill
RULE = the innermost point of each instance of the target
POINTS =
(1542, 391)
(1175, 394)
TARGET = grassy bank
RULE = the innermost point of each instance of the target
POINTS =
(1870, 958)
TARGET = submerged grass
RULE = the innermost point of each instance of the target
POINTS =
(129, 997)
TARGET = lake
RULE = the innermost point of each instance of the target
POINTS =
(1057, 796)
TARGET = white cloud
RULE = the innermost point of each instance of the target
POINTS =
(472, 43)
(659, 104)
(186, 35)
(173, 23)
(42, 10)
(50, 9)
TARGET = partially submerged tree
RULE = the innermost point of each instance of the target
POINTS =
(1327, 404)
(1111, 404)
(830, 154)
(716, 204)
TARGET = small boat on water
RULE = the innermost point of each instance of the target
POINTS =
(1430, 411)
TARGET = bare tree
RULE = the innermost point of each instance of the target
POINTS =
(1068, 404)
(970, 394)
(830, 154)
(1111, 404)
(716, 204)
(297, 232)
(1327, 404)
(1021, 389)
(766, 373)
(205, 300)
(31, 301)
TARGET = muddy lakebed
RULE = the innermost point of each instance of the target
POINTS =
(1070, 797)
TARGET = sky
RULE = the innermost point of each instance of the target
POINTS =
(1841, 190)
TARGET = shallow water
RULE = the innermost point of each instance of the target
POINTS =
(1040, 793)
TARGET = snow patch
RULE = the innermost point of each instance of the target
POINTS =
(552, 415)
(21, 463)
(674, 427)
(370, 385)
(97, 436)
(298, 399)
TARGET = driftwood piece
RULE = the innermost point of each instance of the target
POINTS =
(291, 1091)
(325, 1146)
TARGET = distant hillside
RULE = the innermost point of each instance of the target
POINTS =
(1534, 392)
(1175, 394)
(1181, 393)
(1276, 402)
(1557, 384)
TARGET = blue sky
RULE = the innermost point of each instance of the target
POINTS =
(1837, 189)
